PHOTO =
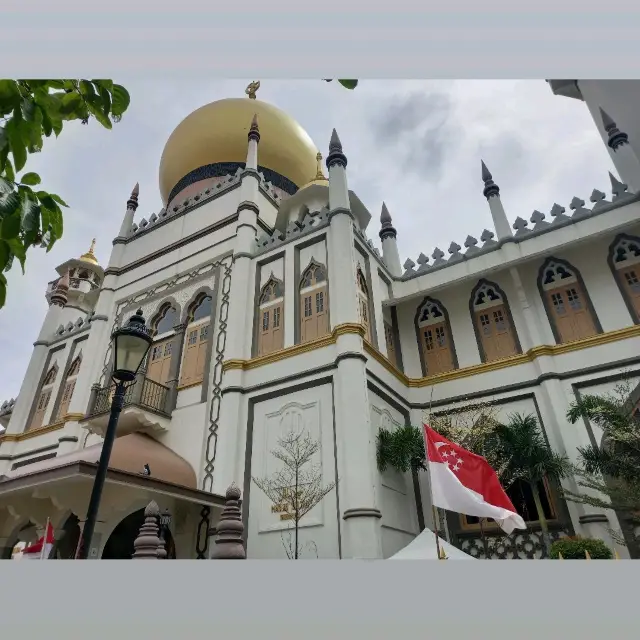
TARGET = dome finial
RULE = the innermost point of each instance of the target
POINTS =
(490, 187)
(89, 256)
(254, 130)
(319, 172)
(386, 230)
(132, 202)
(336, 155)
(616, 137)
(252, 88)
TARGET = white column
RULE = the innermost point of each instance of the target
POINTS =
(388, 236)
(492, 194)
(624, 157)
(240, 322)
(355, 441)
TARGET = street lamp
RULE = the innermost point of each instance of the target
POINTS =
(130, 346)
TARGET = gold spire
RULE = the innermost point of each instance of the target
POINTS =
(252, 88)
(319, 173)
(89, 256)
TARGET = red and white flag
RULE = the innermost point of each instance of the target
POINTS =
(41, 549)
(464, 482)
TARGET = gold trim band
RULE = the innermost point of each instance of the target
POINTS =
(17, 437)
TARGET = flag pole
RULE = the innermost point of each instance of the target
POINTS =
(44, 540)
(434, 511)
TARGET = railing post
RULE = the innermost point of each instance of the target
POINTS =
(137, 389)
(93, 398)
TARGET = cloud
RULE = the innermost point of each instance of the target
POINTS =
(415, 144)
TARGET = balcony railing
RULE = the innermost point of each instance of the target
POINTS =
(144, 393)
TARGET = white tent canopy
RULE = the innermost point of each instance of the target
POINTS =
(423, 547)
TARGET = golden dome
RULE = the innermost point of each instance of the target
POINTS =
(89, 256)
(217, 133)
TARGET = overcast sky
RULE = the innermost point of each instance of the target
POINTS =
(416, 145)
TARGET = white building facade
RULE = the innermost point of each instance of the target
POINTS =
(271, 310)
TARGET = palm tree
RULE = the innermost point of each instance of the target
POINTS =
(527, 457)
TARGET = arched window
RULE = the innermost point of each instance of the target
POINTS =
(271, 317)
(69, 386)
(624, 256)
(434, 337)
(314, 303)
(196, 340)
(494, 328)
(364, 310)
(44, 397)
(163, 323)
(566, 302)
(390, 342)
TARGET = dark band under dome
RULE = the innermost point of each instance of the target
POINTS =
(221, 169)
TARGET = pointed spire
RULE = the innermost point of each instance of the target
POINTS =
(336, 156)
(146, 544)
(387, 230)
(59, 295)
(132, 202)
(616, 137)
(90, 256)
(254, 131)
(490, 187)
(229, 539)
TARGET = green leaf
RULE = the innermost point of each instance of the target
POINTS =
(106, 100)
(5, 164)
(55, 84)
(31, 179)
(46, 121)
(349, 84)
(5, 255)
(9, 94)
(105, 84)
(28, 109)
(86, 88)
(70, 103)
(96, 111)
(59, 200)
(9, 202)
(3, 290)
(4, 139)
(18, 148)
(56, 125)
(18, 250)
(10, 226)
(120, 100)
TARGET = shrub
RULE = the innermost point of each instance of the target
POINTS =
(573, 548)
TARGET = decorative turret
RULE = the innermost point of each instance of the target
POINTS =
(491, 192)
(624, 157)
(388, 236)
(336, 156)
(254, 131)
(147, 543)
(59, 297)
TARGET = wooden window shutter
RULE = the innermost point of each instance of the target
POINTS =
(390, 343)
(190, 358)
(69, 387)
(41, 408)
(572, 317)
(630, 278)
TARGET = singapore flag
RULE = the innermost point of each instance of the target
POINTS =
(464, 482)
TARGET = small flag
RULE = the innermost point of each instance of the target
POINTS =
(464, 482)
(41, 549)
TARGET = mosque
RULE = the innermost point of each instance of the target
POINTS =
(271, 310)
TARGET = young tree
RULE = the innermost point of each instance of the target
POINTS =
(297, 487)
(31, 110)
(610, 474)
(528, 458)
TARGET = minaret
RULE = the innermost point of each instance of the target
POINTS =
(624, 158)
(356, 456)
(492, 194)
(35, 369)
(240, 321)
(125, 228)
(388, 236)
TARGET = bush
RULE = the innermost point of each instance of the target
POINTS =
(573, 548)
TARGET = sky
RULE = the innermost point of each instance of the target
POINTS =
(416, 145)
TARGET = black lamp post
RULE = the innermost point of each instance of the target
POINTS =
(130, 346)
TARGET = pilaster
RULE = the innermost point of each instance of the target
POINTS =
(492, 193)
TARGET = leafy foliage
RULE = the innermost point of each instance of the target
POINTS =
(573, 548)
(347, 84)
(31, 110)
(610, 475)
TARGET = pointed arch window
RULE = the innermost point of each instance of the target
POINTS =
(566, 301)
(162, 328)
(314, 303)
(496, 334)
(364, 309)
(390, 342)
(69, 387)
(437, 354)
(271, 317)
(196, 340)
(625, 260)
(42, 402)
